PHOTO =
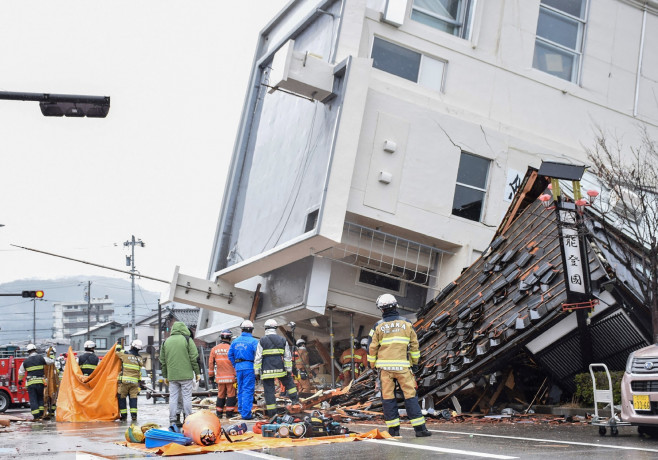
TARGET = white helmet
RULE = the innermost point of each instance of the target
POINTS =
(300, 342)
(386, 301)
(31, 347)
(364, 342)
(137, 344)
(246, 324)
(90, 344)
(270, 324)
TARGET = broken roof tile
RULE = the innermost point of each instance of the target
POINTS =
(523, 260)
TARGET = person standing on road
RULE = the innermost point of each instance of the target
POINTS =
(392, 342)
(129, 378)
(34, 367)
(179, 363)
(241, 354)
(88, 360)
(222, 372)
(357, 355)
(274, 361)
(302, 367)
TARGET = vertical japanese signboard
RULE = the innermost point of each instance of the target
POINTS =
(572, 253)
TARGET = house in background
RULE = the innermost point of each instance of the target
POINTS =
(382, 142)
(104, 334)
(146, 330)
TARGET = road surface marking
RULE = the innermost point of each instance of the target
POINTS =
(260, 455)
(439, 449)
(571, 443)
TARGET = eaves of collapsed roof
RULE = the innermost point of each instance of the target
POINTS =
(511, 299)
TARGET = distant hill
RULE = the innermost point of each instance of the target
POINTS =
(16, 313)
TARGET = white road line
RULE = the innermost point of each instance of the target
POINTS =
(438, 449)
(260, 455)
(571, 443)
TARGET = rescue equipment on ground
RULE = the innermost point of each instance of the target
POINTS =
(136, 433)
(203, 427)
(158, 438)
(237, 428)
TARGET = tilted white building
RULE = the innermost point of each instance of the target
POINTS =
(381, 143)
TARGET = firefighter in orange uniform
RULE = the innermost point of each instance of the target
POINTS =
(393, 342)
(360, 358)
(221, 371)
(300, 358)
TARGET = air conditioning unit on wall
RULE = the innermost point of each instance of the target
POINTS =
(301, 73)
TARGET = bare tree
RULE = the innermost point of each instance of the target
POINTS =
(629, 209)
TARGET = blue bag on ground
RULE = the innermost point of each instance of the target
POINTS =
(157, 438)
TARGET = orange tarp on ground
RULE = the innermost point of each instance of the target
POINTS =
(90, 398)
(257, 442)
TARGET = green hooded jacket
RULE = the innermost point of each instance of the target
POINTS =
(178, 354)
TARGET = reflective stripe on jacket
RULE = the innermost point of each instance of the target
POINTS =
(219, 364)
(131, 367)
(88, 362)
(394, 344)
(273, 358)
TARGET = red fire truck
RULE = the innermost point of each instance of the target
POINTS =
(12, 391)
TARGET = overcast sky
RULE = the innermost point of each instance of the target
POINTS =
(156, 166)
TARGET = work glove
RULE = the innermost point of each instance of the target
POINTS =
(166, 382)
(211, 379)
(414, 368)
(198, 377)
(235, 385)
(142, 385)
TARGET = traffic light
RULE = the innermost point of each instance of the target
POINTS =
(32, 294)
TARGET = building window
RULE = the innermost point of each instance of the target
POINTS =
(451, 16)
(373, 279)
(408, 64)
(559, 43)
(101, 344)
(471, 187)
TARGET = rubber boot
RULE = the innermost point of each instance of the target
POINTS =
(394, 431)
(229, 414)
(219, 414)
(421, 431)
(133, 408)
(123, 413)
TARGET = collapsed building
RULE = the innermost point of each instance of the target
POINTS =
(505, 330)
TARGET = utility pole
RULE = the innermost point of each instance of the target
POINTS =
(88, 309)
(34, 320)
(130, 261)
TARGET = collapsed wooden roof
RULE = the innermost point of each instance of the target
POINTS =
(511, 299)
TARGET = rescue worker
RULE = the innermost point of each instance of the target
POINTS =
(222, 372)
(392, 342)
(129, 378)
(88, 360)
(300, 358)
(35, 382)
(360, 358)
(274, 361)
(241, 354)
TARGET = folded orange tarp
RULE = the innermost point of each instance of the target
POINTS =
(256, 442)
(90, 398)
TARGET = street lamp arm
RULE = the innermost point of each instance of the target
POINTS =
(47, 97)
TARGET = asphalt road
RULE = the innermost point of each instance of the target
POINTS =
(523, 440)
